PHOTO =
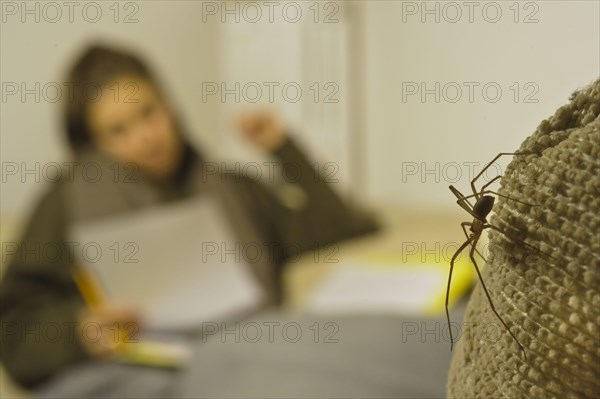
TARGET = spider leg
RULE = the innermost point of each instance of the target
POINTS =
(463, 225)
(463, 202)
(490, 298)
(482, 171)
(514, 239)
(459, 195)
(458, 251)
(490, 182)
(507, 197)
(499, 195)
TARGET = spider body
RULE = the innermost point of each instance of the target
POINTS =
(483, 206)
(477, 227)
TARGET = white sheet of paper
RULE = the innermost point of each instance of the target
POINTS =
(157, 260)
(356, 288)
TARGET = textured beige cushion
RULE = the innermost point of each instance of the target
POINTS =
(552, 304)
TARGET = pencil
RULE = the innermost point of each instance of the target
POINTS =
(154, 354)
(92, 294)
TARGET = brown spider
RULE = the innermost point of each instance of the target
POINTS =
(483, 206)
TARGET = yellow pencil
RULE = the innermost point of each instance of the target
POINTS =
(92, 294)
(155, 354)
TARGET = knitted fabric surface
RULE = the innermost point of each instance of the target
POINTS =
(550, 303)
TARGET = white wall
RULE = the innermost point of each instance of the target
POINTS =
(305, 60)
(368, 51)
(557, 54)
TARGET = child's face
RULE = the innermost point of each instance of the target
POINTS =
(131, 122)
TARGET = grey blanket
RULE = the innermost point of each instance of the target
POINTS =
(296, 356)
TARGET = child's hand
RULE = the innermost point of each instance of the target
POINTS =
(262, 129)
(102, 330)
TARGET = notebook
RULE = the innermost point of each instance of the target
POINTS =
(172, 262)
(391, 284)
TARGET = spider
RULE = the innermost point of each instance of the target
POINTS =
(483, 206)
